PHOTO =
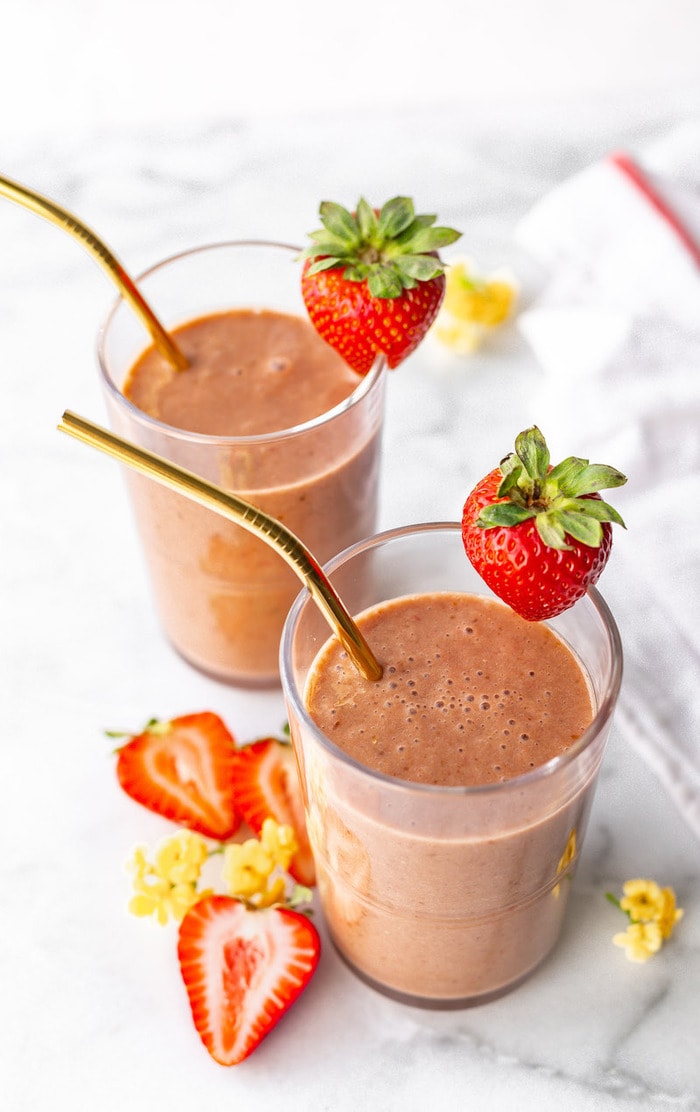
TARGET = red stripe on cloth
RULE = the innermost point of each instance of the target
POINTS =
(630, 169)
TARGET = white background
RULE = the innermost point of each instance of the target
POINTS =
(86, 63)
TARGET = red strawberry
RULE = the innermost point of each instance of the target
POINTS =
(183, 770)
(539, 536)
(266, 784)
(243, 969)
(373, 281)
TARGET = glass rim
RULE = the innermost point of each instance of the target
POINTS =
(600, 719)
(364, 386)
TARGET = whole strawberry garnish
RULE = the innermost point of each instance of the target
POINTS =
(540, 536)
(266, 783)
(372, 281)
(243, 969)
(183, 770)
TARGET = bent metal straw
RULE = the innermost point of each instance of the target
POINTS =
(165, 344)
(248, 516)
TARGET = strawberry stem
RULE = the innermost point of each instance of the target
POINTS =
(393, 250)
(563, 500)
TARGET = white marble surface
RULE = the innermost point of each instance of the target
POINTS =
(92, 1012)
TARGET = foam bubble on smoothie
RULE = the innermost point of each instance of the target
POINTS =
(463, 702)
(250, 372)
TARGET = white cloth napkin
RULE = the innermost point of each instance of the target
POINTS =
(616, 329)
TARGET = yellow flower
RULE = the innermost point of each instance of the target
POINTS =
(168, 887)
(653, 914)
(252, 868)
(566, 858)
(645, 901)
(279, 841)
(180, 858)
(247, 866)
(472, 306)
(640, 941)
(668, 914)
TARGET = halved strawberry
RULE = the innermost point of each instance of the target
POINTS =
(373, 281)
(266, 783)
(540, 536)
(243, 969)
(183, 770)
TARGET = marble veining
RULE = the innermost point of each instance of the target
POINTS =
(92, 1014)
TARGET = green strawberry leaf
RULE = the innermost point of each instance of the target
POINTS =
(563, 474)
(591, 507)
(384, 281)
(422, 220)
(328, 262)
(511, 469)
(397, 249)
(560, 498)
(338, 221)
(587, 530)
(531, 448)
(322, 236)
(326, 244)
(367, 221)
(551, 531)
(395, 216)
(431, 239)
(595, 477)
(356, 273)
(510, 463)
(420, 267)
(503, 514)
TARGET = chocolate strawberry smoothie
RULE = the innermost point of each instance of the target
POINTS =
(222, 593)
(250, 372)
(444, 878)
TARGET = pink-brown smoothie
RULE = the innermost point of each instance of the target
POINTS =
(250, 372)
(222, 593)
(427, 894)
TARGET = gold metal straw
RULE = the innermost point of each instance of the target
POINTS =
(254, 520)
(64, 219)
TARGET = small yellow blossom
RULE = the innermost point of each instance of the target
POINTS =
(168, 887)
(640, 941)
(566, 858)
(645, 901)
(473, 306)
(252, 868)
(279, 841)
(653, 914)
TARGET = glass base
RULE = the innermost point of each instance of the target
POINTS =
(265, 682)
(440, 1004)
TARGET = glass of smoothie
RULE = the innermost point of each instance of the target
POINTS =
(265, 409)
(446, 803)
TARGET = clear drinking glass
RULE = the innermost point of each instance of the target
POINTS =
(443, 896)
(223, 594)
